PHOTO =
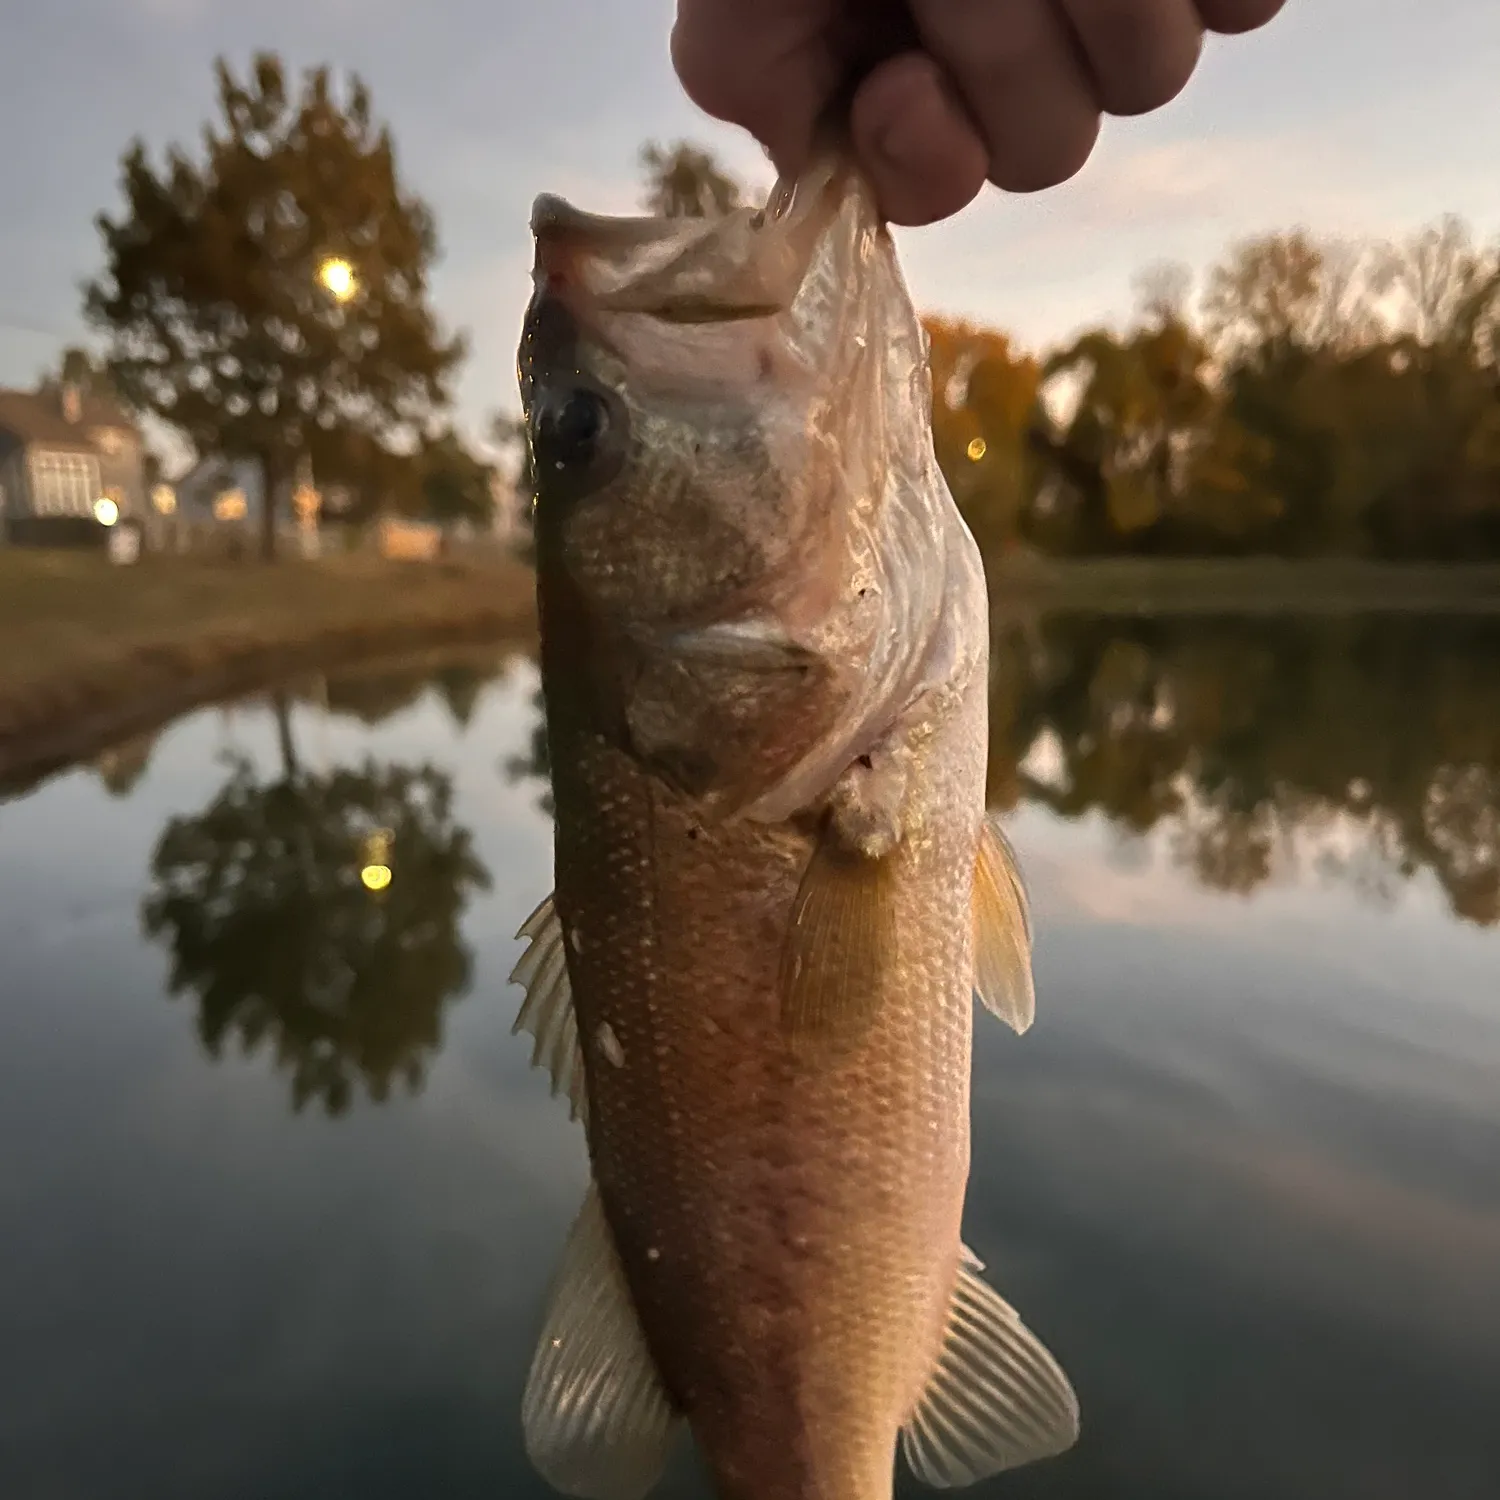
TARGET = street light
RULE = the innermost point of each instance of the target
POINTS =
(337, 276)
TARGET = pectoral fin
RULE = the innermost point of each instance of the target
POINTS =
(1002, 932)
(597, 1422)
(841, 941)
(547, 1012)
(997, 1398)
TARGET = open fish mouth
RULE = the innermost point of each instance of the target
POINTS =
(744, 265)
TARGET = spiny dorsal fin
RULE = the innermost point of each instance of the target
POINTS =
(547, 1012)
(1002, 932)
(840, 941)
(597, 1422)
(997, 1398)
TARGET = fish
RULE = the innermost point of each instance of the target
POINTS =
(777, 892)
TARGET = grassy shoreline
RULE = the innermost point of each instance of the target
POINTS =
(100, 653)
(1127, 585)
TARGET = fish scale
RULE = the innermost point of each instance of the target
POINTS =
(777, 894)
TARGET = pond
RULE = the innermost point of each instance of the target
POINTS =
(280, 1196)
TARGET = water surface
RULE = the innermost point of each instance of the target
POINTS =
(279, 1196)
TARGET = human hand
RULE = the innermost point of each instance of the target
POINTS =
(1006, 90)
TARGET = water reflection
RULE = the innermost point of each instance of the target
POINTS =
(277, 927)
(1370, 745)
(1240, 1175)
(1366, 749)
(535, 764)
(121, 766)
(373, 695)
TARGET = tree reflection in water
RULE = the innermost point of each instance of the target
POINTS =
(264, 901)
(536, 763)
(1364, 748)
(1369, 746)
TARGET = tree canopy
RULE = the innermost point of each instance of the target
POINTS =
(267, 296)
(684, 181)
(1307, 396)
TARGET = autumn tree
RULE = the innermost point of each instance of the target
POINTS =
(1258, 304)
(983, 394)
(267, 296)
(1446, 286)
(1163, 291)
(684, 181)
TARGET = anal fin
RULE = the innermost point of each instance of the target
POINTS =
(996, 1400)
(597, 1422)
(547, 1012)
(1002, 932)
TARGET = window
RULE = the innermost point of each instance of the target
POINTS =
(64, 484)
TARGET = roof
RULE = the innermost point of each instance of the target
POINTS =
(36, 417)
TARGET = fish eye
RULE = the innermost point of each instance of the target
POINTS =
(569, 431)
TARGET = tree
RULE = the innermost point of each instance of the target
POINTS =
(1280, 296)
(536, 763)
(269, 298)
(265, 904)
(1146, 452)
(1258, 303)
(1162, 292)
(984, 393)
(1446, 285)
(687, 182)
(455, 484)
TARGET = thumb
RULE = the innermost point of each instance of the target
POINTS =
(767, 68)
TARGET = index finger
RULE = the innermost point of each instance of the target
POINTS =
(768, 68)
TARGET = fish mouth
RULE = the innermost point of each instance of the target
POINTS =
(742, 266)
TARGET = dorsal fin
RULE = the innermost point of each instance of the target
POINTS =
(547, 1012)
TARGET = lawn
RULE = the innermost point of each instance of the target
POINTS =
(97, 651)
(1250, 585)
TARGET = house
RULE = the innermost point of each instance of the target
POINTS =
(62, 451)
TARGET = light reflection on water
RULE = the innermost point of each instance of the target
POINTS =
(1240, 1175)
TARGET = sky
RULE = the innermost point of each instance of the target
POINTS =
(1352, 117)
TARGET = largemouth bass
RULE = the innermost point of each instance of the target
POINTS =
(764, 660)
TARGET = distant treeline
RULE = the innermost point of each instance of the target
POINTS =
(1306, 397)
(1314, 398)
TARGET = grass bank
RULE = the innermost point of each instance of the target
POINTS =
(1242, 586)
(94, 652)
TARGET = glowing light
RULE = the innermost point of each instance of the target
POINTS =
(106, 512)
(977, 449)
(337, 276)
(375, 877)
(230, 506)
(164, 498)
